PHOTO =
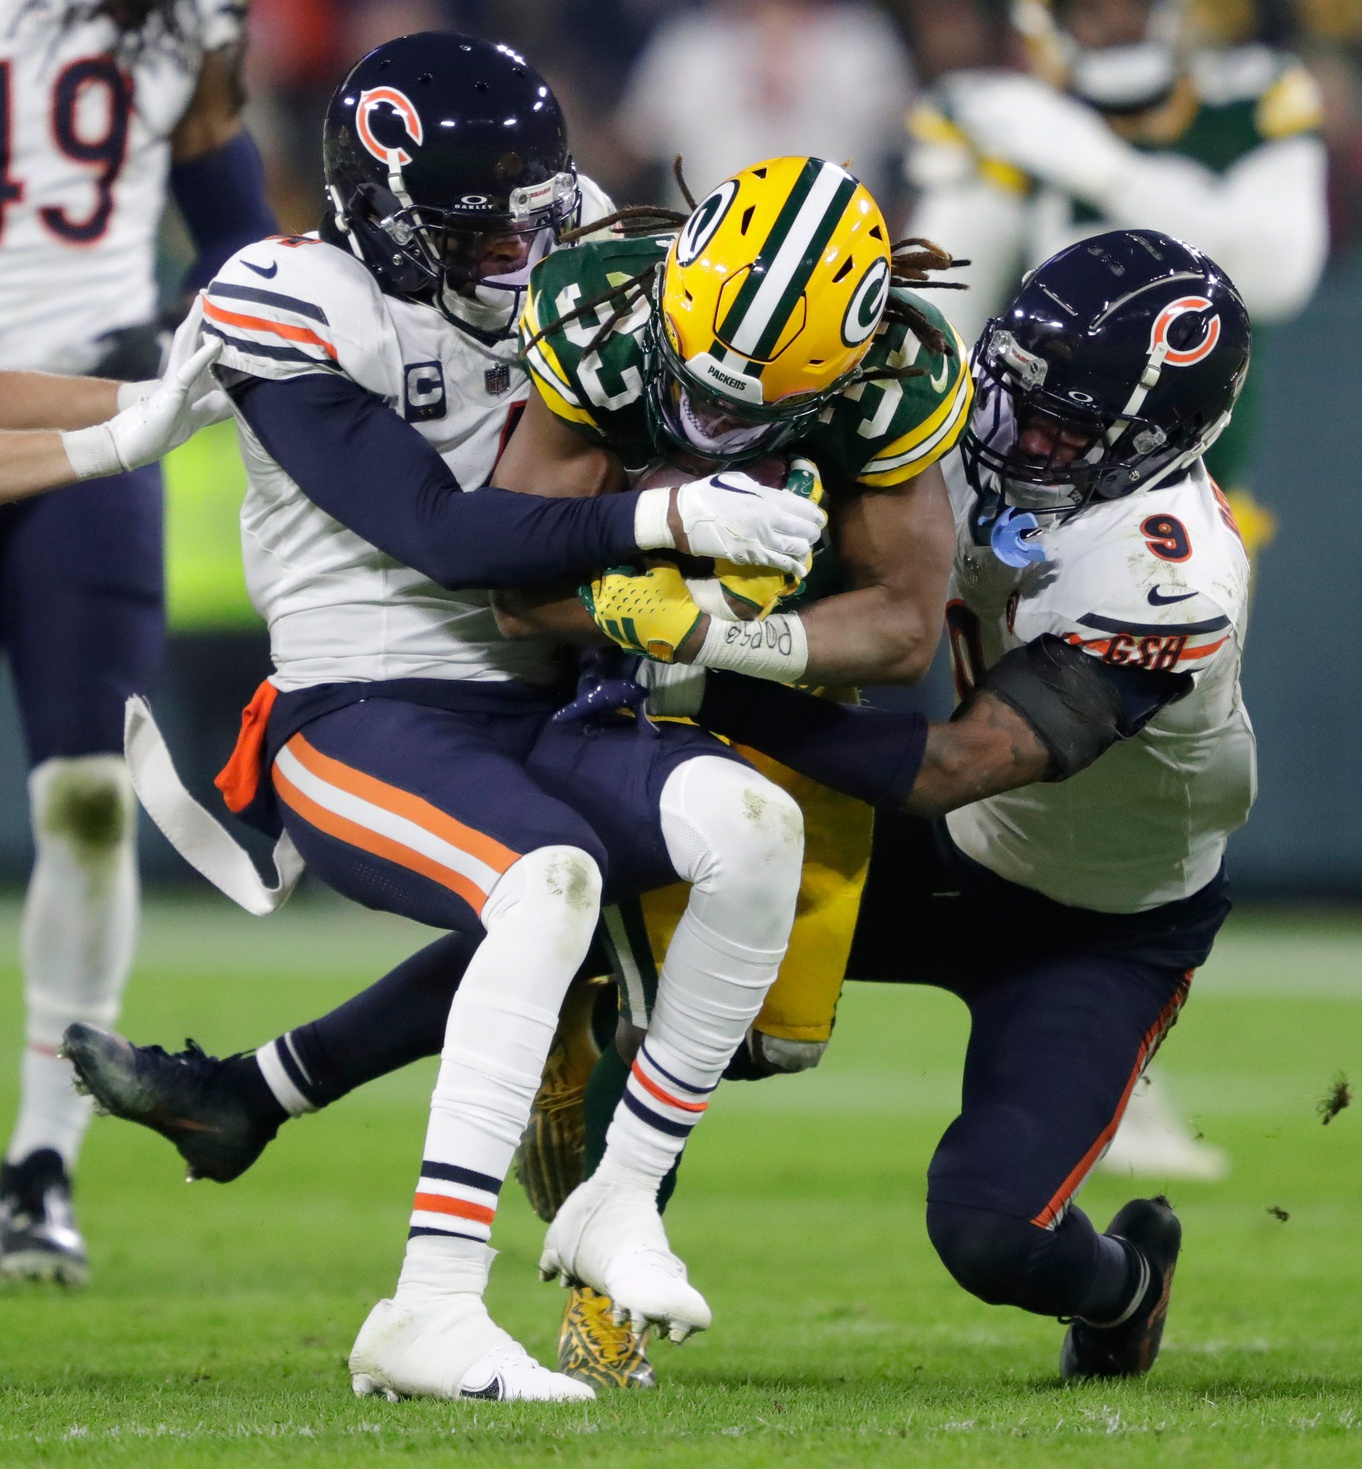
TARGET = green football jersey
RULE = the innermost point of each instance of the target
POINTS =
(878, 433)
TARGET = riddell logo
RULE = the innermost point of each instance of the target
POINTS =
(402, 105)
(1185, 356)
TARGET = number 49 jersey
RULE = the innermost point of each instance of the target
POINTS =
(1158, 580)
(84, 156)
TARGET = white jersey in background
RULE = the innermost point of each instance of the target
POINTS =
(85, 169)
(1009, 172)
(1160, 580)
(338, 609)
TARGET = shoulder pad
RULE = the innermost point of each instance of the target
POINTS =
(1291, 105)
(888, 431)
(293, 305)
(555, 350)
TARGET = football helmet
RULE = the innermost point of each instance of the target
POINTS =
(1118, 364)
(1119, 78)
(449, 175)
(768, 301)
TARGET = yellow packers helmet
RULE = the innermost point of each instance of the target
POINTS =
(768, 302)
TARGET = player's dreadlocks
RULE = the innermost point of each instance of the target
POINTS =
(911, 261)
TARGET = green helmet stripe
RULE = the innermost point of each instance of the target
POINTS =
(787, 259)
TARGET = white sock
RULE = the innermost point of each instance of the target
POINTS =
(79, 933)
(739, 840)
(539, 916)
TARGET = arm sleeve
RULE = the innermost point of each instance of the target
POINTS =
(354, 458)
(221, 198)
(871, 754)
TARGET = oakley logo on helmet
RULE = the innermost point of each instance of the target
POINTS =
(1185, 356)
(699, 229)
(405, 109)
(867, 304)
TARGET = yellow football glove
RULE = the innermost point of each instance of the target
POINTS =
(752, 591)
(649, 612)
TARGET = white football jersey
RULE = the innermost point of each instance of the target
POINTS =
(338, 609)
(1160, 580)
(84, 158)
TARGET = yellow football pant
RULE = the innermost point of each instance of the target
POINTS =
(802, 1003)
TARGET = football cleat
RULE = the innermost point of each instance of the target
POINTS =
(549, 1160)
(449, 1347)
(38, 1235)
(194, 1100)
(1128, 1346)
(609, 1236)
(592, 1348)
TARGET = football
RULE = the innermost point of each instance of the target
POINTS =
(709, 592)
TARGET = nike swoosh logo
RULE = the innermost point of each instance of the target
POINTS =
(940, 382)
(260, 269)
(732, 489)
(1155, 600)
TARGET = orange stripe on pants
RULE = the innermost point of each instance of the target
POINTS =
(1152, 1039)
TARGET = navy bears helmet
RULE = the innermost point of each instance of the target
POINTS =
(449, 176)
(1118, 363)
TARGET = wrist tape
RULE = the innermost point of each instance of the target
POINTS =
(776, 648)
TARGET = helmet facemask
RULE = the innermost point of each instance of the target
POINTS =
(1031, 448)
(475, 267)
(711, 425)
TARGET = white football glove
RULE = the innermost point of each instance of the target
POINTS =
(211, 404)
(1054, 138)
(182, 403)
(731, 517)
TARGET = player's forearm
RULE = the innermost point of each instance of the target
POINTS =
(41, 400)
(868, 636)
(30, 463)
(537, 612)
(894, 761)
(988, 749)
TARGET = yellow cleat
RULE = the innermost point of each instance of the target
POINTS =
(549, 1159)
(592, 1349)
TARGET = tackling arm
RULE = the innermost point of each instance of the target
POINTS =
(546, 457)
(1044, 711)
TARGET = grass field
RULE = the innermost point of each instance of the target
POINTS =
(217, 1325)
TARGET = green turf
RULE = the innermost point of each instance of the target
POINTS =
(219, 1318)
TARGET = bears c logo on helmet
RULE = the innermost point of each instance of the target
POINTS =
(402, 105)
(1185, 356)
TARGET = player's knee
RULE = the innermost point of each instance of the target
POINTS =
(728, 826)
(556, 887)
(992, 1255)
(87, 800)
(773, 1055)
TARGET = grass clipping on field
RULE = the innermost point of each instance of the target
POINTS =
(1338, 1097)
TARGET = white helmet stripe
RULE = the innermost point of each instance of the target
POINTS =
(783, 267)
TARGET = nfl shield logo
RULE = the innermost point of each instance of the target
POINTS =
(497, 379)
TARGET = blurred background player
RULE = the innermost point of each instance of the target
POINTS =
(1130, 118)
(107, 110)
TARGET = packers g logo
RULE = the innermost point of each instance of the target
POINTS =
(405, 108)
(867, 304)
(699, 229)
(1199, 351)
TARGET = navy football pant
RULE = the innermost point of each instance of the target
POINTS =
(418, 810)
(1067, 1007)
(82, 609)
